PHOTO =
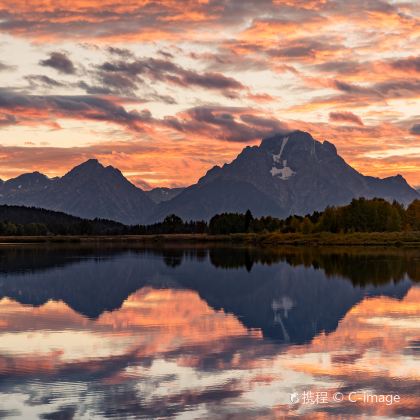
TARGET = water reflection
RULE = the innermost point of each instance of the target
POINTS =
(94, 333)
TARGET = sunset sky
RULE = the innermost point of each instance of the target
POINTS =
(164, 90)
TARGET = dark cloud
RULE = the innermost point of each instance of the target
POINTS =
(78, 107)
(119, 83)
(162, 98)
(94, 89)
(148, 66)
(264, 123)
(407, 64)
(42, 80)
(415, 129)
(398, 88)
(60, 62)
(354, 89)
(121, 52)
(390, 89)
(210, 80)
(346, 67)
(360, 7)
(164, 70)
(345, 116)
(166, 54)
(229, 60)
(304, 48)
(226, 123)
(351, 67)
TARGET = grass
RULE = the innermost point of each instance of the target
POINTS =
(406, 239)
(342, 239)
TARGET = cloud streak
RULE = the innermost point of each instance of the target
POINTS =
(347, 117)
(129, 74)
(36, 108)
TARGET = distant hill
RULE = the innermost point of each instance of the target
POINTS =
(54, 222)
(284, 175)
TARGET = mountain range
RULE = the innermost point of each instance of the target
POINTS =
(89, 190)
(286, 174)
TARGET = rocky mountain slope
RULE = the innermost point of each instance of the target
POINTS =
(284, 175)
(89, 190)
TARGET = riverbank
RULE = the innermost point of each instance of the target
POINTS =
(406, 239)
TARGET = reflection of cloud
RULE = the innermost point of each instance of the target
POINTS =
(364, 354)
(145, 325)
(167, 348)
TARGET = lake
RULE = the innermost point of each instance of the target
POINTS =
(208, 333)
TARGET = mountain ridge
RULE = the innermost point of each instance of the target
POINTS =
(285, 174)
(295, 172)
(89, 190)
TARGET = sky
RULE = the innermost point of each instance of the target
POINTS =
(165, 90)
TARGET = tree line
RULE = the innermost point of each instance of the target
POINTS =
(361, 215)
(32, 221)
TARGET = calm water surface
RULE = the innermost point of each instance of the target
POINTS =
(208, 333)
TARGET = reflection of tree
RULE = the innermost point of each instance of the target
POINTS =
(413, 271)
(232, 258)
(362, 266)
(172, 257)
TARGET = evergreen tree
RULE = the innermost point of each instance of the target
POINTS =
(413, 215)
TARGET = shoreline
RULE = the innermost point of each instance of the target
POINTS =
(392, 239)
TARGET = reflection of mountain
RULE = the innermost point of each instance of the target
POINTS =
(317, 302)
(292, 300)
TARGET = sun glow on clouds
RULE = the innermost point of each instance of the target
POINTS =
(166, 84)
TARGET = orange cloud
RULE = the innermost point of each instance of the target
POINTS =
(301, 60)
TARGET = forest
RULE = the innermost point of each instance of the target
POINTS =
(361, 215)
(32, 221)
